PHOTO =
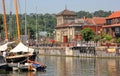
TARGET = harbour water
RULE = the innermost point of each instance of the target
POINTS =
(73, 66)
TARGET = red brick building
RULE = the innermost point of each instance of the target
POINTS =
(94, 23)
(112, 26)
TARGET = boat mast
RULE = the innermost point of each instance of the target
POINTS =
(36, 29)
(5, 24)
(17, 19)
(25, 20)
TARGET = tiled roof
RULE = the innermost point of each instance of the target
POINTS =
(114, 14)
(87, 21)
(96, 20)
(66, 12)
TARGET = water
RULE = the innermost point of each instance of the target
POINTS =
(73, 66)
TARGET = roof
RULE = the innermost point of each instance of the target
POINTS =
(114, 15)
(66, 12)
(22, 48)
(96, 20)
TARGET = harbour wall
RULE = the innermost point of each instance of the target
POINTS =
(84, 52)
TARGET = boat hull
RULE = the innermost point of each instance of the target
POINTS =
(5, 67)
(20, 59)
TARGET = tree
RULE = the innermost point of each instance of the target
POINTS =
(87, 34)
(81, 14)
(118, 40)
(108, 38)
(101, 13)
(1, 22)
(97, 38)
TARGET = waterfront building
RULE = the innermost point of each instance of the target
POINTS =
(66, 29)
(69, 26)
(112, 26)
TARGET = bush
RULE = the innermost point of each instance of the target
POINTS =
(88, 34)
(108, 37)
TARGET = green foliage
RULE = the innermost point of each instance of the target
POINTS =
(101, 13)
(108, 37)
(81, 14)
(87, 34)
(97, 38)
(44, 22)
(1, 20)
(1, 23)
(118, 40)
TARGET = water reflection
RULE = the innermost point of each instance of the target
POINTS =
(75, 66)
(107, 67)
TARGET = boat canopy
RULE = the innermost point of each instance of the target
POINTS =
(22, 48)
(4, 46)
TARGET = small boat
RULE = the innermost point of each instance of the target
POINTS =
(38, 65)
(26, 67)
(4, 65)
(30, 66)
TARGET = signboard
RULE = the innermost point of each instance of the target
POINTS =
(43, 33)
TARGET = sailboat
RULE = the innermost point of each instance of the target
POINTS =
(21, 53)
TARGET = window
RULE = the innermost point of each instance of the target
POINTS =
(107, 30)
(117, 29)
(108, 22)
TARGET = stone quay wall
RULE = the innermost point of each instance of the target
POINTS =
(67, 51)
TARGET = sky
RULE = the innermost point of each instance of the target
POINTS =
(56, 6)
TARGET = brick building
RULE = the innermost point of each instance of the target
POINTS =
(68, 26)
(112, 26)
